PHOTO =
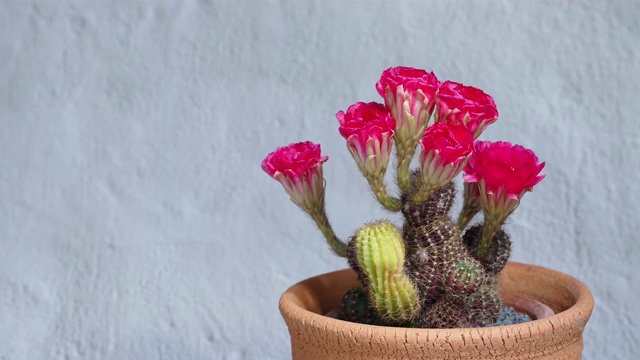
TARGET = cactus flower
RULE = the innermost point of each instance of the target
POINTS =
(409, 94)
(445, 151)
(368, 129)
(460, 104)
(503, 171)
(298, 167)
(503, 174)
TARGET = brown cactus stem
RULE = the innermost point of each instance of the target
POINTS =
(320, 217)
(380, 191)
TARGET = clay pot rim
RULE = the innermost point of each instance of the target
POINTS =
(578, 312)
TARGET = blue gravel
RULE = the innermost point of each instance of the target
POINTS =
(508, 316)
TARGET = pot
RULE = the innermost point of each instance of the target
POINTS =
(555, 334)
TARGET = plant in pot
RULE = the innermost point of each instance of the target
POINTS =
(434, 287)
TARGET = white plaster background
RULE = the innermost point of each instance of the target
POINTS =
(136, 223)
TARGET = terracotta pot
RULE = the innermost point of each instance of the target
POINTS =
(558, 336)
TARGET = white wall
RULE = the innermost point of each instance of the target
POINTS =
(136, 223)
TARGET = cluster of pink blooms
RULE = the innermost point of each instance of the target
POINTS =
(498, 173)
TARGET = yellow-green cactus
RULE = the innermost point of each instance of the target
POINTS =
(381, 257)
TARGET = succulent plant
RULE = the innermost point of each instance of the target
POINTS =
(380, 255)
(431, 271)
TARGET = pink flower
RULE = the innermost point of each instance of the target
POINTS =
(409, 94)
(503, 174)
(445, 150)
(298, 167)
(460, 104)
(368, 129)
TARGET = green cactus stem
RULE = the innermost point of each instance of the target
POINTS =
(319, 216)
(381, 257)
(470, 209)
(491, 227)
(423, 192)
(404, 154)
(376, 183)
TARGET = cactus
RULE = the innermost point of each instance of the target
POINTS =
(435, 207)
(454, 286)
(464, 276)
(433, 273)
(499, 249)
(428, 274)
(356, 308)
(431, 235)
(381, 264)
(444, 313)
(483, 305)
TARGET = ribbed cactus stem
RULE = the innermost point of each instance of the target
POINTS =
(499, 247)
(381, 256)
(380, 191)
(465, 276)
(319, 216)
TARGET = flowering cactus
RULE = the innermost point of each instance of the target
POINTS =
(298, 167)
(369, 129)
(503, 173)
(431, 272)
(410, 96)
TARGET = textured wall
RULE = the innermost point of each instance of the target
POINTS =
(135, 222)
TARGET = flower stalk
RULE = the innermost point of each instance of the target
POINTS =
(502, 173)
(369, 130)
(470, 207)
(409, 94)
(319, 216)
(298, 167)
(379, 189)
(404, 155)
